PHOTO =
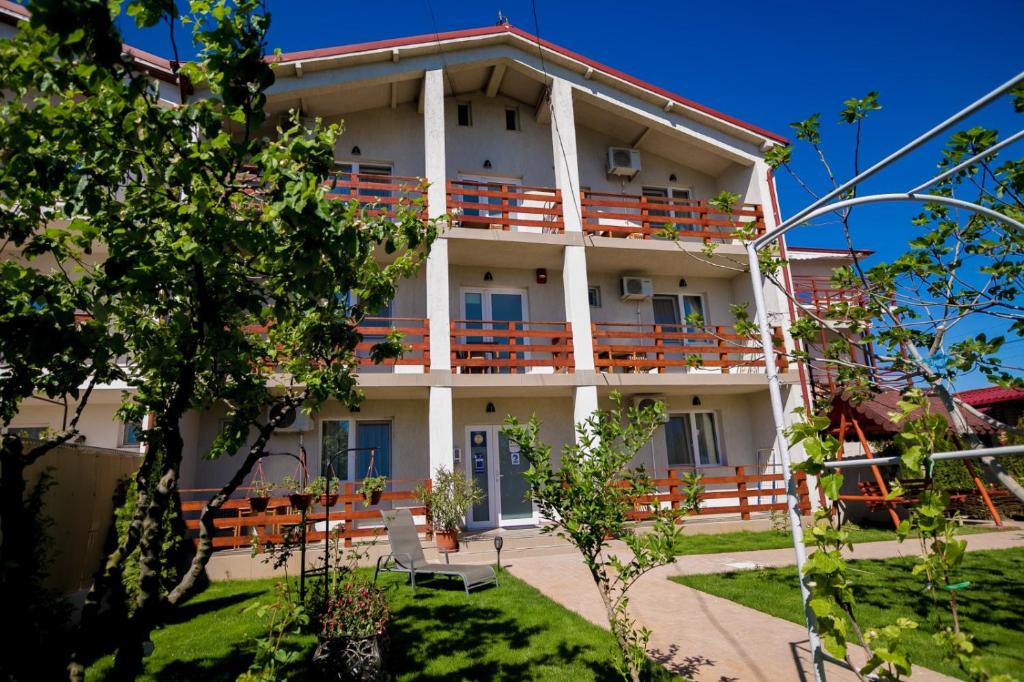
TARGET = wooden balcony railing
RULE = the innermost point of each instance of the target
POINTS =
(641, 217)
(628, 347)
(818, 293)
(505, 206)
(236, 523)
(731, 490)
(415, 333)
(380, 194)
(500, 347)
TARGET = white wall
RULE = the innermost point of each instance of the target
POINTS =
(390, 136)
(525, 154)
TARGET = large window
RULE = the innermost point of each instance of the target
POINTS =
(28, 432)
(356, 449)
(130, 435)
(692, 439)
(366, 173)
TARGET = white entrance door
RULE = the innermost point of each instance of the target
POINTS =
(497, 467)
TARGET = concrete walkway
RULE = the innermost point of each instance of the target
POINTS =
(703, 637)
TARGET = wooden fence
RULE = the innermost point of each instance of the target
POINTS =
(747, 493)
(237, 523)
(497, 346)
(378, 194)
(505, 206)
(643, 217)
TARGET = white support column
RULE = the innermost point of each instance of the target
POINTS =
(584, 403)
(440, 438)
(437, 261)
(574, 264)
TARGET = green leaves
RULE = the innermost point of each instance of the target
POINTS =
(809, 129)
(856, 109)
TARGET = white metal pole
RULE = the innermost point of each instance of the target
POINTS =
(792, 498)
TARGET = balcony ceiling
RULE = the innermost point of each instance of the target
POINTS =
(626, 130)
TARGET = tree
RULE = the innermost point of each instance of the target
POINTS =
(590, 498)
(195, 240)
(959, 268)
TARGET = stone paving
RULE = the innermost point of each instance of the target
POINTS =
(703, 637)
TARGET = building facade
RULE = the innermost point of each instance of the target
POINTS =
(557, 281)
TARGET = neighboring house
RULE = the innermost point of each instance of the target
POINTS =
(552, 288)
(1003, 404)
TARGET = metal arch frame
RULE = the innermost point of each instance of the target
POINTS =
(819, 207)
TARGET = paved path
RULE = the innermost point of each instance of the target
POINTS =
(704, 637)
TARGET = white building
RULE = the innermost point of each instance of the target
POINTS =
(552, 287)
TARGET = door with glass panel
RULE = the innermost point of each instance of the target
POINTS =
(495, 310)
(497, 466)
(691, 440)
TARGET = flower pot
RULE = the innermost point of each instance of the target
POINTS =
(300, 501)
(329, 499)
(447, 540)
(258, 505)
(373, 498)
(356, 659)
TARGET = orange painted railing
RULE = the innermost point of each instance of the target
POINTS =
(640, 217)
(237, 522)
(819, 293)
(505, 206)
(499, 347)
(745, 492)
(381, 194)
(415, 333)
(646, 347)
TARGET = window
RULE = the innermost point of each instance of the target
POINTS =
(130, 435)
(594, 294)
(691, 439)
(365, 173)
(28, 432)
(511, 118)
(465, 113)
(334, 446)
(674, 196)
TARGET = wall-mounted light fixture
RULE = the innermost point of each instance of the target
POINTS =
(696, 401)
(488, 277)
(542, 276)
(490, 407)
(487, 163)
(682, 282)
(672, 178)
(356, 151)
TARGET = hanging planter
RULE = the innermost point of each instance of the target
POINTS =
(301, 496)
(373, 489)
(260, 499)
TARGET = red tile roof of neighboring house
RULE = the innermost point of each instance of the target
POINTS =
(873, 415)
(990, 395)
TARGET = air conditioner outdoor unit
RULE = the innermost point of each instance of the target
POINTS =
(623, 161)
(295, 422)
(636, 288)
(645, 401)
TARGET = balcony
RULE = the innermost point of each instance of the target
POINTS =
(511, 347)
(379, 194)
(415, 333)
(818, 294)
(632, 216)
(657, 348)
(507, 207)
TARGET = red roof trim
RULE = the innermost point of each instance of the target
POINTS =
(838, 252)
(990, 395)
(497, 30)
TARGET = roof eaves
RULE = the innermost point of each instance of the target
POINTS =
(357, 48)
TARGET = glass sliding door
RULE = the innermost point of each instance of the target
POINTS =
(691, 439)
(375, 435)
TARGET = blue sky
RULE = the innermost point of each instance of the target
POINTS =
(767, 63)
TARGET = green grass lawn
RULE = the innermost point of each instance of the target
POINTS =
(992, 609)
(511, 632)
(745, 540)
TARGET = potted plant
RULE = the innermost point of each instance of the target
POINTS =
(260, 498)
(329, 497)
(353, 641)
(301, 496)
(448, 501)
(373, 488)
